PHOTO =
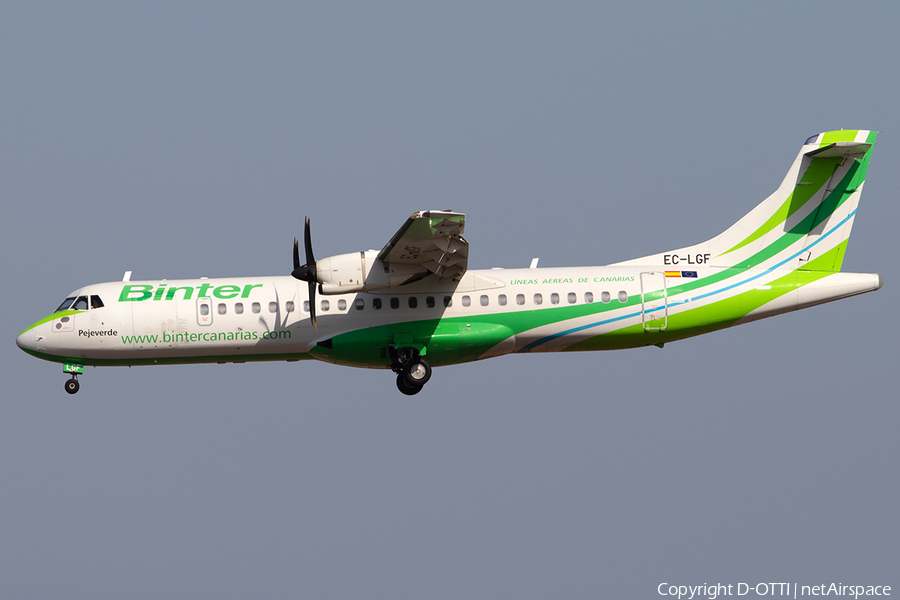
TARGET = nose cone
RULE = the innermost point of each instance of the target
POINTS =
(26, 340)
(32, 339)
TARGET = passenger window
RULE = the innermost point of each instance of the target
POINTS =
(554, 298)
(572, 298)
(376, 303)
(448, 301)
(221, 308)
(520, 299)
(204, 309)
(273, 307)
(255, 307)
(623, 296)
(239, 308)
(289, 306)
(325, 304)
(359, 304)
(413, 302)
(484, 300)
(306, 306)
(501, 299)
(429, 301)
(395, 302)
(466, 301)
(342, 304)
(538, 299)
(588, 297)
(66, 304)
(604, 297)
(80, 304)
(96, 302)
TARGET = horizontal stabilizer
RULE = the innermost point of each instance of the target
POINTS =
(840, 149)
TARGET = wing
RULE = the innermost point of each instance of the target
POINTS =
(431, 240)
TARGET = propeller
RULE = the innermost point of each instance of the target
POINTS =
(308, 271)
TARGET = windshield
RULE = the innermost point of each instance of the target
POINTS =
(66, 304)
(80, 304)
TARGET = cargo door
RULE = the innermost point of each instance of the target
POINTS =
(154, 324)
(654, 301)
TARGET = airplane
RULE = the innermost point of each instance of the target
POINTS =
(415, 305)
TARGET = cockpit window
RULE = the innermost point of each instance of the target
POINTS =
(96, 302)
(66, 304)
(80, 303)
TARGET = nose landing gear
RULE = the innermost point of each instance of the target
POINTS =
(75, 370)
(413, 371)
(72, 385)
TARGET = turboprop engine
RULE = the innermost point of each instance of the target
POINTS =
(362, 272)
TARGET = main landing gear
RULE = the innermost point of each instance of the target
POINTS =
(413, 372)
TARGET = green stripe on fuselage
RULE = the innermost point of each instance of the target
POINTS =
(169, 360)
(455, 339)
(704, 319)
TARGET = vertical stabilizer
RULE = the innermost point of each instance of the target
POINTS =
(804, 224)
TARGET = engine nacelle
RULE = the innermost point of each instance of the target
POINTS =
(361, 272)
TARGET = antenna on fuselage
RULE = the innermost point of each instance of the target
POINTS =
(534, 262)
(126, 276)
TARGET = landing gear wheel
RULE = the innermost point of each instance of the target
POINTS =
(72, 386)
(417, 372)
(410, 389)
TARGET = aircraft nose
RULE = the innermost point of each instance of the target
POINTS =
(25, 341)
(28, 339)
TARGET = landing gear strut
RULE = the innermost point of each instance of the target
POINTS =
(72, 385)
(413, 372)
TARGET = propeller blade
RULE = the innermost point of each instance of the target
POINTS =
(312, 271)
(307, 272)
(312, 304)
(307, 242)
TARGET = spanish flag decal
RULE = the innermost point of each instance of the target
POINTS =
(681, 274)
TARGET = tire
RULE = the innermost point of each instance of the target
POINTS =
(417, 372)
(407, 388)
(72, 386)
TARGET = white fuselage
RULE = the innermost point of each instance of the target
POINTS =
(267, 318)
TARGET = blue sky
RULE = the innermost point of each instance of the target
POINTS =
(187, 140)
